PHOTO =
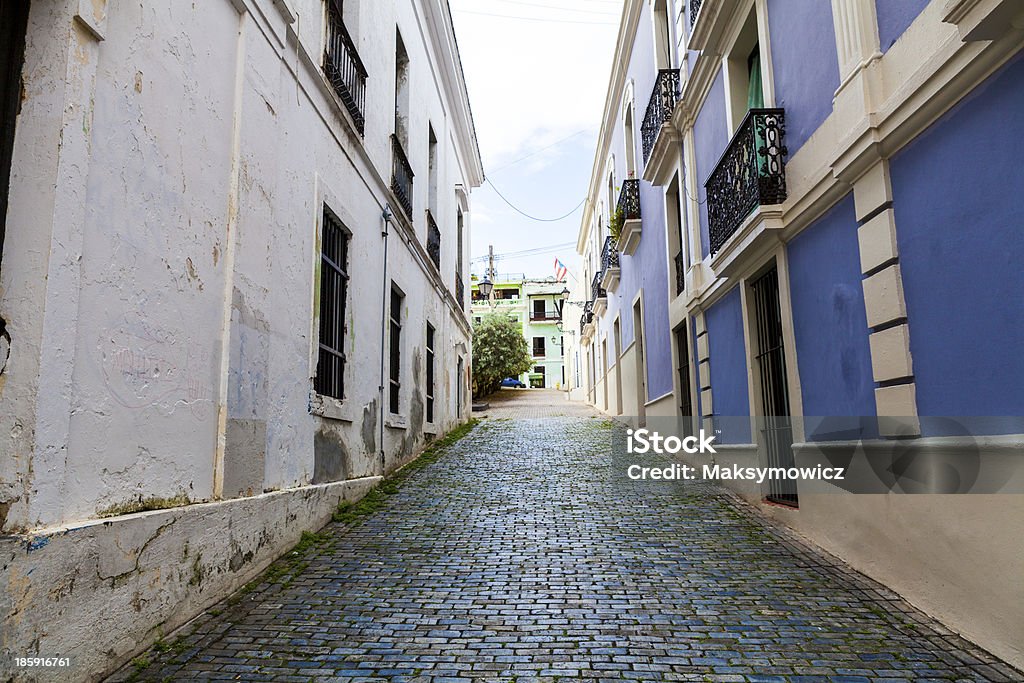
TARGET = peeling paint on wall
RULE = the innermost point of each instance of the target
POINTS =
(330, 456)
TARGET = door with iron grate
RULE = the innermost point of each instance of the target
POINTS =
(775, 424)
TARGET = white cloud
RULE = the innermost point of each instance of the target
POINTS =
(536, 80)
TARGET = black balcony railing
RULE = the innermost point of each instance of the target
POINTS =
(680, 273)
(588, 315)
(543, 316)
(460, 290)
(433, 241)
(596, 290)
(694, 11)
(659, 108)
(751, 173)
(629, 199)
(401, 176)
(342, 66)
(609, 254)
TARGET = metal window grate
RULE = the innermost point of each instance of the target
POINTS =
(430, 372)
(776, 429)
(342, 65)
(685, 403)
(395, 382)
(330, 367)
(433, 240)
(401, 176)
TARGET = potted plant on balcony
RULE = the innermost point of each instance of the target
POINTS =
(615, 224)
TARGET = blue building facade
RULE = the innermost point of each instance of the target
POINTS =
(626, 336)
(828, 262)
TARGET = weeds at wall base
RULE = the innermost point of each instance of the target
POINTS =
(285, 569)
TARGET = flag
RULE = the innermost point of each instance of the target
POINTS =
(560, 270)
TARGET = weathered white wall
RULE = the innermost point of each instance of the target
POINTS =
(160, 269)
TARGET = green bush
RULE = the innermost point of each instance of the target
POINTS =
(499, 351)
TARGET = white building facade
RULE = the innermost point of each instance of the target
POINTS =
(233, 292)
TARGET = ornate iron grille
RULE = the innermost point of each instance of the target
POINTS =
(460, 290)
(401, 176)
(342, 66)
(659, 108)
(629, 199)
(609, 254)
(751, 173)
(588, 315)
(596, 290)
(433, 240)
(680, 273)
(694, 11)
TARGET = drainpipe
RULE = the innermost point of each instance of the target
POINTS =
(386, 216)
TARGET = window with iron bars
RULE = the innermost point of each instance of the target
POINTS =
(430, 372)
(396, 349)
(330, 367)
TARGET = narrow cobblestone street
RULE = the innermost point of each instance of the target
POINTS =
(520, 555)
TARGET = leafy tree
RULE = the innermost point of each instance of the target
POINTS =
(499, 351)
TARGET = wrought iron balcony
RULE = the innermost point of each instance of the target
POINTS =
(544, 316)
(342, 66)
(659, 108)
(751, 173)
(609, 254)
(401, 176)
(460, 290)
(587, 317)
(629, 199)
(596, 290)
(433, 240)
(694, 11)
(680, 273)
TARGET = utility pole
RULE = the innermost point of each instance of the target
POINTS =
(490, 268)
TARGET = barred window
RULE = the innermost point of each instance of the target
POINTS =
(430, 372)
(330, 367)
(396, 348)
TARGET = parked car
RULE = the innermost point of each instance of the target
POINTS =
(512, 382)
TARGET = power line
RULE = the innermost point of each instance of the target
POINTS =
(534, 218)
(538, 251)
(538, 151)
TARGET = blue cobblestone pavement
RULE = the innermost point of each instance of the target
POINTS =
(520, 556)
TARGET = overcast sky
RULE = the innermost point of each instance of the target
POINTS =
(537, 72)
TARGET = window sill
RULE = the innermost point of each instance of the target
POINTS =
(396, 422)
(328, 407)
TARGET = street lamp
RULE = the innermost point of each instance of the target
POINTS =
(560, 302)
(485, 288)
